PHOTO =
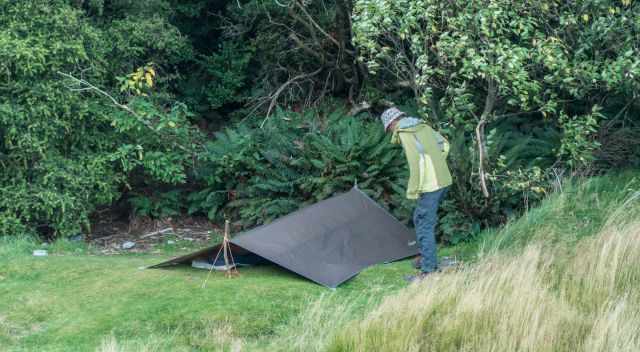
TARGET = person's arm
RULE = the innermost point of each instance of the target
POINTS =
(443, 144)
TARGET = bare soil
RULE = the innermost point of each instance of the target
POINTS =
(108, 233)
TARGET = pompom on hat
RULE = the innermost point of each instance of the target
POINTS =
(390, 115)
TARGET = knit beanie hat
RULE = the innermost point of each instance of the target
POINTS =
(390, 115)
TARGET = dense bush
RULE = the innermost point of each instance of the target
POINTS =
(65, 148)
(254, 175)
(521, 86)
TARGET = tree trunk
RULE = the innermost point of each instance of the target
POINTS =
(348, 53)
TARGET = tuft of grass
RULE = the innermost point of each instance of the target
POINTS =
(212, 336)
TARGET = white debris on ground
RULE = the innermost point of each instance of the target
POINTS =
(128, 245)
(40, 253)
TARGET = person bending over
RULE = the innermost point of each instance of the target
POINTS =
(429, 179)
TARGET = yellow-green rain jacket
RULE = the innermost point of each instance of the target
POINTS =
(426, 152)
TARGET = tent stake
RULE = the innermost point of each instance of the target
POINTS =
(229, 262)
(225, 249)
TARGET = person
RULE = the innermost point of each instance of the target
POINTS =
(429, 178)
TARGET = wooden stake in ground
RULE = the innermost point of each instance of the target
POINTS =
(225, 250)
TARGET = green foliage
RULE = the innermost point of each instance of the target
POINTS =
(579, 143)
(159, 205)
(544, 76)
(225, 74)
(254, 175)
(218, 79)
(65, 148)
(566, 77)
(472, 60)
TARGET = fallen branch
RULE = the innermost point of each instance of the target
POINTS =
(157, 232)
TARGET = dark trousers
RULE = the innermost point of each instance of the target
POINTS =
(425, 218)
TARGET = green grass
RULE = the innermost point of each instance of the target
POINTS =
(73, 299)
(564, 218)
(76, 300)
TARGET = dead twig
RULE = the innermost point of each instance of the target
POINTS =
(316, 25)
(157, 232)
(274, 97)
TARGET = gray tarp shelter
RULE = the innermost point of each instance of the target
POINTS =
(328, 242)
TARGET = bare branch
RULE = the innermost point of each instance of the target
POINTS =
(492, 93)
(315, 24)
(309, 27)
(276, 94)
(84, 85)
(316, 53)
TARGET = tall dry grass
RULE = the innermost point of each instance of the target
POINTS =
(543, 299)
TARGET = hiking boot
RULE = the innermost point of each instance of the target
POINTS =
(417, 262)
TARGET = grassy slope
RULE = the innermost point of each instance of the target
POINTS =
(78, 301)
(580, 210)
(537, 284)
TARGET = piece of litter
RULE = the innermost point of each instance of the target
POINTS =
(188, 239)
(171, 242)
(128, 245)
(40, 253)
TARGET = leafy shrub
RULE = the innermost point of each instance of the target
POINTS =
(157, 205)
(64, 152)
(254, 175)
(521, 153)
(568, 65)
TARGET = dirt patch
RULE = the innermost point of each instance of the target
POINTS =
(142, 234)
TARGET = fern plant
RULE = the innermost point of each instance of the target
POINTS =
(255, 175)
